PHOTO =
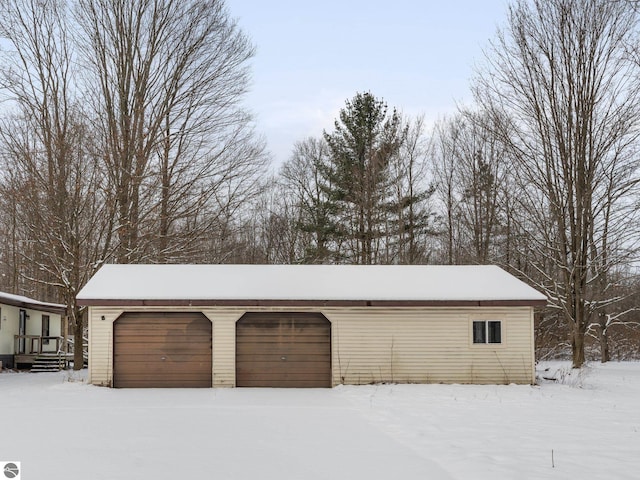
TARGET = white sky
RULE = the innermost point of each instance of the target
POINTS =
(418, 55)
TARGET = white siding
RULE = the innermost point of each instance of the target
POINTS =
(9, 324)
(421, 345)
(101, 344)
(224, 345)
(429, 346)
(8, 329)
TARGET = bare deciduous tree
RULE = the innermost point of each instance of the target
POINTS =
(472, 173)
(413, 218)
(560, 71)
(170, 75)
(304, 182)
(52, 171)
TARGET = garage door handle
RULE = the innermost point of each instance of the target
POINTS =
(283, 358)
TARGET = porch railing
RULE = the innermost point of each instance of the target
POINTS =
(36, 344)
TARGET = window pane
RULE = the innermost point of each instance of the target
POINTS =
(495, 333)
(45, 325)
(479, 335)
(45, 329)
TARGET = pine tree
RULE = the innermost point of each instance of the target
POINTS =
(358, 176)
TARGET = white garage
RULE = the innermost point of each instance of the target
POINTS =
(310, 325)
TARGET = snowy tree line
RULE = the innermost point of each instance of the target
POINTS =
(123, 139)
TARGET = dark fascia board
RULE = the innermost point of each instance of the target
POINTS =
(32, 306)
(309, 303)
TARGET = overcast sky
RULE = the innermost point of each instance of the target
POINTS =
(418, 55)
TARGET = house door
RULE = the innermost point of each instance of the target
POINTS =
(22, 330)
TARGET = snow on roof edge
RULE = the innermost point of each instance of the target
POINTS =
(307, 282)
(12, 299)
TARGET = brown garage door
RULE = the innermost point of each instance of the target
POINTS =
(283, 350)
(162, 350)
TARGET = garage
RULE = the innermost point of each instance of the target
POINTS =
(308, 325)
(283, 350)
(154, 349)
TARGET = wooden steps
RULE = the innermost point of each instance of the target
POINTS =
(49, 363)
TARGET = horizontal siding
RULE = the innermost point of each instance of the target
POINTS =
(224, 345)
(101, 344)
(415, 345)
(429, 346)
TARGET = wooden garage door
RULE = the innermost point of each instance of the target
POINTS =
(162, 350)
(283, 350)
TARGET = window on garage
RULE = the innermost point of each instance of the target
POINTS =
(487, 331)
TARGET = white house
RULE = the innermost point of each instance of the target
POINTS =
(308, 325)
(28, 328)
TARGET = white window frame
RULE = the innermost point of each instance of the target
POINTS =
(486, 319)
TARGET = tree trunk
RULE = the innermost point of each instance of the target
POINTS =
(78, 332)
(603, 336)
(577, 344)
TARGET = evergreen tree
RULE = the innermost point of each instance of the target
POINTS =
(358, 178)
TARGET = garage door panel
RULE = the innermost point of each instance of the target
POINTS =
(302, 337)
(145, 382)
(279, 370)
(245, 341)
(152, 381)
(249, 357)
(279, 375)
(289, 363)
(301, 319)
(167, 370)
(162, 350)
(151, 349)
(160, 324)
(283, 327)
(190, 377)
(161, 321)
(160, 333)
(169, 339)
(283, 349)
(178, 335)
(180, 359)
(279, 382)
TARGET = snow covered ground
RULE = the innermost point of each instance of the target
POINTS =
(61, 428)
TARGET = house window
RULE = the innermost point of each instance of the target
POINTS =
(487, 331)
(45, 329)
(22, 330)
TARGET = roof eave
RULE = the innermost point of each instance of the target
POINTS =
(305, 303)
(33, 306)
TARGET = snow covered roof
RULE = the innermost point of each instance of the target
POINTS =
(306, 284)
(26, 302)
